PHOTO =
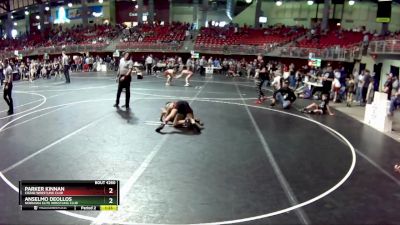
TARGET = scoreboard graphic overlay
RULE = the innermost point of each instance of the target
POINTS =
(88, 195)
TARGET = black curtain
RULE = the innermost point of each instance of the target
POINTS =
(394, 70)
(377, 71)
(362, 67)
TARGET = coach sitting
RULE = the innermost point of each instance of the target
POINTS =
(285, 96)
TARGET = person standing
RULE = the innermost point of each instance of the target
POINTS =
(360, 84)
(350, 89)
(389, 86)
(394, 103)
(367, 80)
(32, 70)
(149, 64)
(190, 64)
(327, 80)
(1, 74)
(124, 79)
(169, 74)
(202, 65)
(57, 69)
(395, 85)
(336, 86)
(65, 63)
(8, 85)
(370, 90)
(260, 78)
(108, 61)
(292, 76)
(186, 72)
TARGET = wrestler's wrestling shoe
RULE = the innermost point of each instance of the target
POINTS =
(159, 128)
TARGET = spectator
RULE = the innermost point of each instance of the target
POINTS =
(285, 96)
(394, 103)
(336, 88)
(366, 40)
(202, 65)
(395, 85)
(210, 61)
(350, 89)
(277, 81)
(370, 90)
(367, 80)
(360, 84)
(190, 64)
(327, 80)
(108, 61)
(1, 74)
(149, 64)
(388, 86)
(216, 63)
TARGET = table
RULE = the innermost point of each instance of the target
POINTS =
(101, 68)
(210, 69)
(313, 84)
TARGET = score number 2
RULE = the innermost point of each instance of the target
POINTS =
(110, 191)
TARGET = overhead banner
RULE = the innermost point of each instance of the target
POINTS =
(384, 12)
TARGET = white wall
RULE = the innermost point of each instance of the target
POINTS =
(21, 26)
(184, 13)
(290, 13)
(246, 16)
(369, 62)
(299, 13)
(362, 14)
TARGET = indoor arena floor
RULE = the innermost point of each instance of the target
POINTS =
(250, 164)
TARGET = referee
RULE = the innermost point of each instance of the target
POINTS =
(8, 85)
(65, 63)
(124, 79)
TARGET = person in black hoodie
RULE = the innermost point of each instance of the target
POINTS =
(327, 80)
(285, 96)
(260, 78)
(367, 80)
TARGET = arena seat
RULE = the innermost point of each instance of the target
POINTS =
(218, 36)
(93, 35)
(333, 38)
(155, 33)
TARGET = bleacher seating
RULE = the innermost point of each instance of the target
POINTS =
(93, 35)
(154, 36)
(216, 36)
(333, 38)
(170, 37)
(168, 33)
